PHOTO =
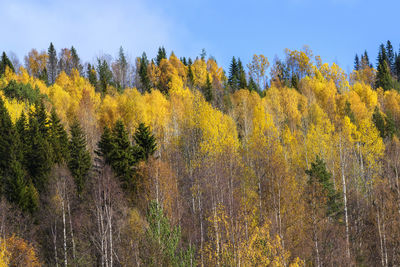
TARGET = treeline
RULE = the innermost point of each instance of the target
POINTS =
(173, 162)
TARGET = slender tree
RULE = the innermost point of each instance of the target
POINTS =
(79, 162)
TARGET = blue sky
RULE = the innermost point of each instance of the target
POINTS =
(334, 29)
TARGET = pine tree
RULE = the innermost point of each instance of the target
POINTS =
(144, 77)
(161, 55)
(52, 64)
(145, 142)
(79, 162)
(208, 90)
(322, 189)
(58, 139)
(356, 63)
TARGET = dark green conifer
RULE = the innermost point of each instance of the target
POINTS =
(143, 75)
(161, 55)
(79, 162)
(322, 190)
(145, 142)
(52, 64)
(5, 62)
(58, 139)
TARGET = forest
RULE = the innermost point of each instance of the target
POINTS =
(177, 162)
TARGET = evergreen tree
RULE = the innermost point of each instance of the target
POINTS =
(41, 118)
(161, 245)
(233, 79)
(43, 76)
(322, 189)
(105, 76)
(5, 62)
(190, 74)
(208, 90)
(144, 77)
(91, 75)
(6, 137)
(382, 55)
(348, 112)
(145, 142)
(390, 56)
(58, 139)
(52, 64)
(242, 76)
(356, 63)
(38, 157)
(203, 54)
(161, 55)
(365, 61)
(122, 156)
(253, 86)
(76, 62)
(79, 162)
(397, 67)
(123, 65)
(379, 121)
(105, 146)
(383, 78)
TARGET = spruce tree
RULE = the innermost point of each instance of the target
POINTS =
(76, 62)
(161, 55)
(121, 157)
(105, 146)
(390, 56)
(145, 142)
(92, 75)
(105, 76)
(52, 64)
(356, 63)
(58, 139)
(38, 158)
(397, 67)
(5, 62)
(208, 90)
(233, 79)
(379, 121)
(79, 162)
(241, 75)
(144, 77)
(383, 78)
(321, 187)
(6, 137)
